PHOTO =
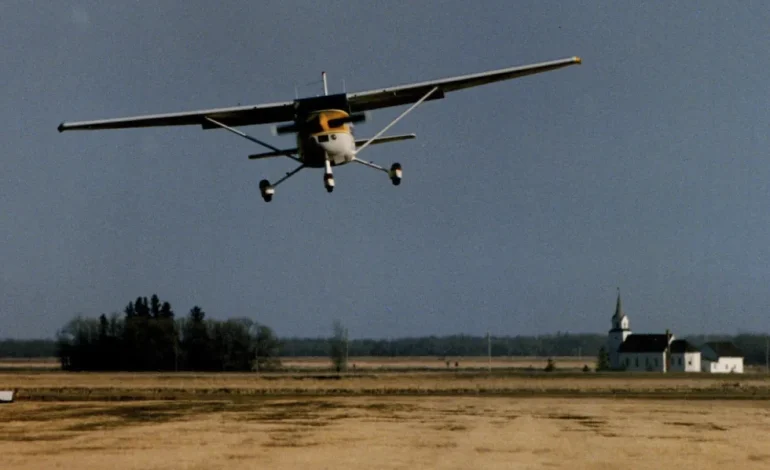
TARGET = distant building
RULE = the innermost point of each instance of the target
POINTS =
(721, 357)
(617, 335)
(645, 352)
(684, 357)
(663, 352)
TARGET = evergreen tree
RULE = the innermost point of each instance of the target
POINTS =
(196, 344)
(602, 360)
(165, 311)
(154, 306)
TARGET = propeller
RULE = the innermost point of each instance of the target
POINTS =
(336, 122)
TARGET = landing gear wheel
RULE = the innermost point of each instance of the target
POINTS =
(267, 190)
(395, 174)
(329, 182)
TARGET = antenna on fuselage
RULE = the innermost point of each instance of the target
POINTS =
(326, 89)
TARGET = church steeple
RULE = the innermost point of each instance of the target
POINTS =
(618, 309)
(618, 334)
(619, 319)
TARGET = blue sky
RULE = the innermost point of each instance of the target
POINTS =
(524, 204)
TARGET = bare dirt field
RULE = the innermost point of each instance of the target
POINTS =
(385, 414)
(38, 386)
(386, 433)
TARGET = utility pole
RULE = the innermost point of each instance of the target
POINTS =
(256, 354)
(346, 349)
(489, 351)
(767, 355)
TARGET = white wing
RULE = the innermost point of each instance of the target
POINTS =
(284, 111)
(235, 116)
(405, 94)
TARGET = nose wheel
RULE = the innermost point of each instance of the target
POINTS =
(395, 174)
(328, 176)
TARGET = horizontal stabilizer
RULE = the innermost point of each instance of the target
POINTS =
(385, 140)
(359, 142)
(282, 153)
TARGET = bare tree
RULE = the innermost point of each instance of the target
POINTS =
(338, 347)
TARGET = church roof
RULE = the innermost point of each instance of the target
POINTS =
(681, 346)
(724, 349)
(644, 344)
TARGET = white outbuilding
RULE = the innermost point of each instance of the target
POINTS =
(684, 357)
(721, 357)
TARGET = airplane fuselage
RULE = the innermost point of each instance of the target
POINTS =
(318, 140)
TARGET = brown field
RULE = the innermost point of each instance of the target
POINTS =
(385, 414)
(386, 433)
(57, 385)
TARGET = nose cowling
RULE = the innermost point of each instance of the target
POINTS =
(335, 146)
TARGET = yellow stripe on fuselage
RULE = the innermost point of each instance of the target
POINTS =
(319, 122)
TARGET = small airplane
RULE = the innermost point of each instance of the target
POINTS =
(322, 124)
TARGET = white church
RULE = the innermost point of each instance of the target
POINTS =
(664, 353)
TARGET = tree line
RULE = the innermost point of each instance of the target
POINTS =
(753, 346)
(27, 348)
(149, 337)
(560, 344)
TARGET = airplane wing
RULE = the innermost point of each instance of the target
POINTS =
(405, 94)
(284, 111)
(235, 116)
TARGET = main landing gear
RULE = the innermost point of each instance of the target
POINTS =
(267, 190)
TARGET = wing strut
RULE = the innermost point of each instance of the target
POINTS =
(253, 139)
(392, 123)
(288, 175)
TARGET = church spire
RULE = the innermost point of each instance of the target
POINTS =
(619, 320)
(618, 309)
